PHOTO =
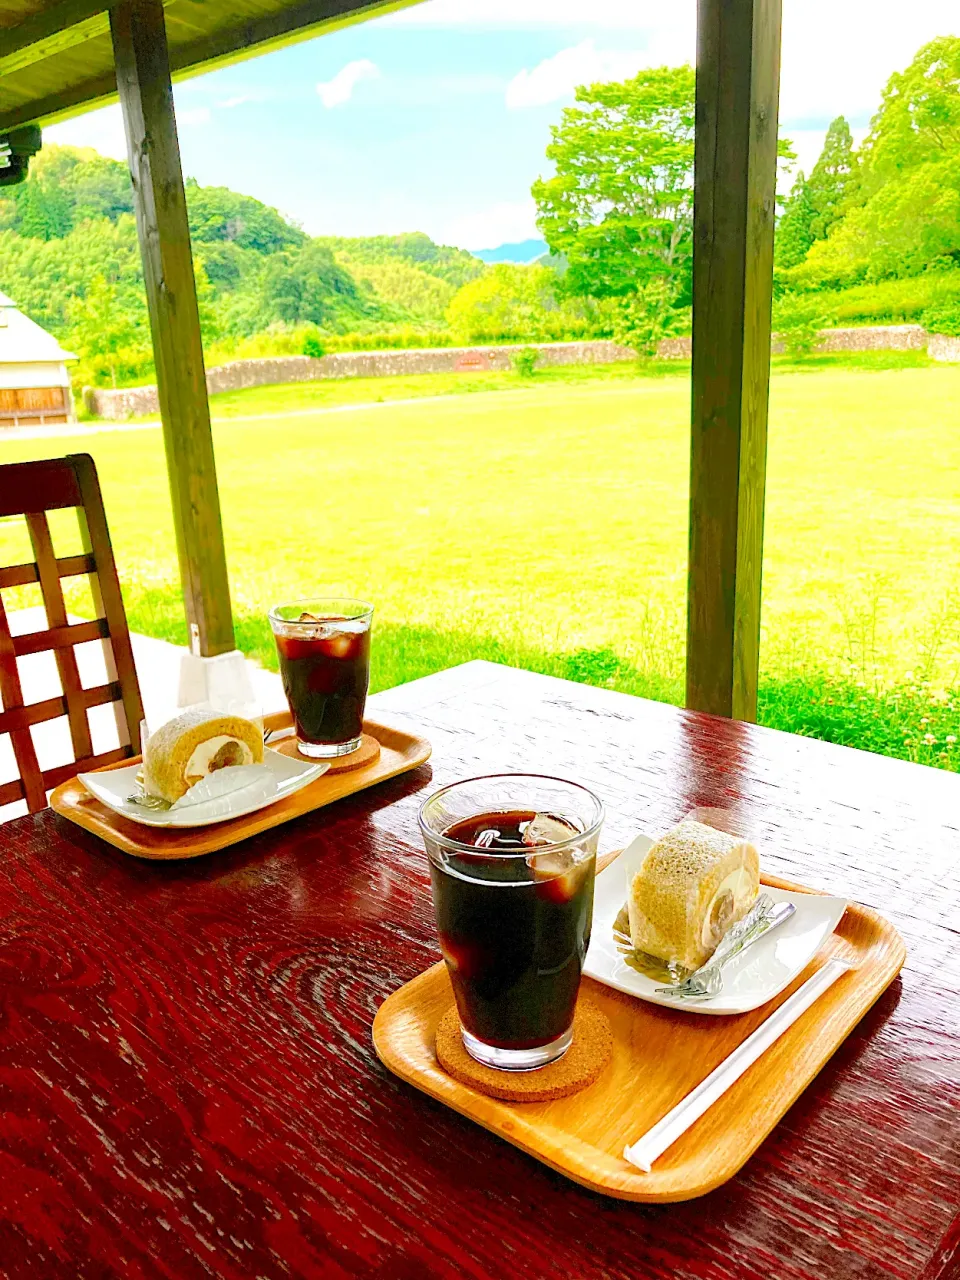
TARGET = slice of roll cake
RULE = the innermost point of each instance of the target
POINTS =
(693, 884)
(194, 744)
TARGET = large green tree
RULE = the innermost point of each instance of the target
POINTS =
(919, 117)
(620, 204)
(907, 218)
(308, 285)
(219, 214)
(819, 202)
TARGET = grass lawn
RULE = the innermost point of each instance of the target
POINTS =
(545, 523)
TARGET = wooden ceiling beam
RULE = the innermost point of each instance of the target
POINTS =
(289, 26)
(51, 31)
(84, 96)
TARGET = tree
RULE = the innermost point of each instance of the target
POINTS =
(514, 303)
(619, 208)
(919, 117)
(106, 333)
(620, 205)
(413, 248)
(99, 188)
(217, 213)
(794, 235)
(907, 217)
(647, 316)
(797, 321)
(819, 202)
(43, 211)
(309, 285)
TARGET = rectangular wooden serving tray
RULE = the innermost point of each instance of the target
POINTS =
(658, 1057)
(399, 752)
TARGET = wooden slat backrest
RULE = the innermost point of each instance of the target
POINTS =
(48, 485)
(31, 489)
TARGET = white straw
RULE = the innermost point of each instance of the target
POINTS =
(677, 1121)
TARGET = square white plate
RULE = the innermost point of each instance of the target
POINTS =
(749, 980)
(281, 777)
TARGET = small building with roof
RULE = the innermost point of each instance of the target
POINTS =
(34, 382)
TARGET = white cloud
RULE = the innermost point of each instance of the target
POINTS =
(501, 223)
(193, 116)
(557, 77)
(333, 93)
(837, 61)
(834, 61)
(240, 100)
(101, 129)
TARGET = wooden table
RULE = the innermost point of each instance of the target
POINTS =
(188, 1087)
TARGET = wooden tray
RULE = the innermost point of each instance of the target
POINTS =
(658, 1057)
(399, 752)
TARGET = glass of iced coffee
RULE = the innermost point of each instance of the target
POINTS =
(324, 651)
(512, 862)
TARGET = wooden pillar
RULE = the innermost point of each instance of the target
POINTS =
(146, 97)
(738, 84)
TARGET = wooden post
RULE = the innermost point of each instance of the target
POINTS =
(738, 83)
(146, 97)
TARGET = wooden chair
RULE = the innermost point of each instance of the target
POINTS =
(31, 489)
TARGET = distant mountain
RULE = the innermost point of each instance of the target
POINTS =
(522, 251)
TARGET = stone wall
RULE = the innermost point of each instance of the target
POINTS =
(238, 374)
(940, 347)
(888, 337)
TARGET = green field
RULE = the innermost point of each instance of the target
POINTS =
(545, 522)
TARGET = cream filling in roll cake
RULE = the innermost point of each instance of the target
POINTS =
(194, 744)
(693, 884)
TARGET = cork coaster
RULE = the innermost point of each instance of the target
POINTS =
(366, 753)
(578, 1068)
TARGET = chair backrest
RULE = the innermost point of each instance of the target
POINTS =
(31, 489)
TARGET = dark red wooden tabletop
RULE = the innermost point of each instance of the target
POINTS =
(188, 1086)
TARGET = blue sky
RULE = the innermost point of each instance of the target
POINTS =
(436, 118)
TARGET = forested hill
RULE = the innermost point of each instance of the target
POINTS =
(69, 257)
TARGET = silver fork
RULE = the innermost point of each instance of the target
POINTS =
(144, 798)
(146, 801)
(707, 981)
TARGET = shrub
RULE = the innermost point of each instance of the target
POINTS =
(396, 338)
(943, 317)
(525, 361)
(645, 318)
(798, 319)
(312, 345)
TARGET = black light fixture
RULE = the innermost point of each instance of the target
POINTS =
(16, 148)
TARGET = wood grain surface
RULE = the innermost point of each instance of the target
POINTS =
(188, 1083)
(670, 1053)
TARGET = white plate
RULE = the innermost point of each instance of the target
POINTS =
(749, 980)
(263, 785)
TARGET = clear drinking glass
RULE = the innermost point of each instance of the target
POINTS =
(324, 650)
(513, 918)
